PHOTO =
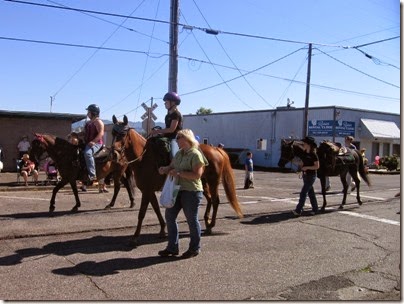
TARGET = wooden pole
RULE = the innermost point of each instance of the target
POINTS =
(173, 64)
(306, 105)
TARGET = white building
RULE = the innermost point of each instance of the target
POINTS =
(261, 131)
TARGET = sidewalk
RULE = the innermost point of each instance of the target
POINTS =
(8, 182)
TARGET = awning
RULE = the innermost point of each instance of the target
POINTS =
(379, 129)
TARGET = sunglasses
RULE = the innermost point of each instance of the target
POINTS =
(179, 137)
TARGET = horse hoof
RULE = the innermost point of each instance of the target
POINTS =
(341, 207)
(108, 207)
(208, 231)
(360, 203)
(132, 205)
(75, 209)
(322, 209)
(51, 209)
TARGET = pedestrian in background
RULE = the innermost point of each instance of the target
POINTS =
(249, 171)
(23, 146)
(310, 166)
(349, 144)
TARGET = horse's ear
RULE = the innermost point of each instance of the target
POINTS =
(125, 120)
(114, 120)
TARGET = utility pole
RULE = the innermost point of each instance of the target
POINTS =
(173, 65)
(306, 105)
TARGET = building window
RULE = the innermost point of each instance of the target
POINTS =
(261, 144)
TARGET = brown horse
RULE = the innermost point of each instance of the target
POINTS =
(330, 165)
(66, 157)
(144, 158)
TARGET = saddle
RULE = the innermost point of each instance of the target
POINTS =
(162, 147)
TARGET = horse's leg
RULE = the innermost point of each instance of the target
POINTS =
(117, 187)
(129, 184)
(323, 192)
(206, 217)
(73, 184)
(345, 187)
(142, 212)
(354, 174)
(156, 208)
(214, 196)
(55, 190)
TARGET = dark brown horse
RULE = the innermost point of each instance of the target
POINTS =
(144, 158)
(331, 164)
(66, 157)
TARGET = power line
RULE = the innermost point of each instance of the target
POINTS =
(186, 26)
(192, 59)
(351, 67)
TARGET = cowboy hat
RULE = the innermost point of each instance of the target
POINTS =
(310, 141)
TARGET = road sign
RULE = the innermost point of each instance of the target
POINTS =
(148, 117)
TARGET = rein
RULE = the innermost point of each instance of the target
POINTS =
(122, 150)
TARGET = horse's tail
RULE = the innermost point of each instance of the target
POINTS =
(228, 183)
(362, 172)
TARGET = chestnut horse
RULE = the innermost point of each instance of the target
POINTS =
(144, 158)
(66, 157)
(331, 164)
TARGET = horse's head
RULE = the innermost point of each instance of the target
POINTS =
(120, 128)
(287, 153)
(38, 147)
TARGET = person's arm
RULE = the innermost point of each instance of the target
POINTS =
(171, 129)
(196, 172)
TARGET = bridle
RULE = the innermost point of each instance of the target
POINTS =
(124, 137)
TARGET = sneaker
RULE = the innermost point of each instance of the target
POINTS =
(190, 254)
(105, 190)
(83, 188)
(166, 253)
(296, 213)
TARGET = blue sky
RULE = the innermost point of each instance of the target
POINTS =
(224, 72)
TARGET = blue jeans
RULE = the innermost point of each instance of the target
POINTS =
(174, 147)
(89, 158)
(189, 201)
(307, 189)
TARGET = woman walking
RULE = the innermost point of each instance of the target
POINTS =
(188, 166)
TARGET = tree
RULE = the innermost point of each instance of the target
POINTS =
(203, 111)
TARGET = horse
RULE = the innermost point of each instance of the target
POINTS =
(66, 157)
(331, 164)
(144, 158)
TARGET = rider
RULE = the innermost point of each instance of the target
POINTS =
(173, 120)
(93, 134)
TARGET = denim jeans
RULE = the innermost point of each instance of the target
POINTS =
(89, 158)
(307, 189)
(174, 147)
(189, 201)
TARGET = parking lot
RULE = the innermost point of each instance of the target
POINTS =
(353, 254)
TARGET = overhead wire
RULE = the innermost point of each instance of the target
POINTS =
(221, 77)
(92, 55)
(147, 58)
(231, 60)
(359, 71)
(113, 23)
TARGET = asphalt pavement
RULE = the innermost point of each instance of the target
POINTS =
(354, 254)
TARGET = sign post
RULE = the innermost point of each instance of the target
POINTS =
(148, 117)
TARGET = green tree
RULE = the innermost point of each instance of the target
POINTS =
(203, 111)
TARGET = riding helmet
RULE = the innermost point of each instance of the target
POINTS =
(172, 96)
(93, 108)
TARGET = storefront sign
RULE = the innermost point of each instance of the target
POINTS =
(325, 128)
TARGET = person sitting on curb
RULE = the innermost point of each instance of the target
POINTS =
(27, 168)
